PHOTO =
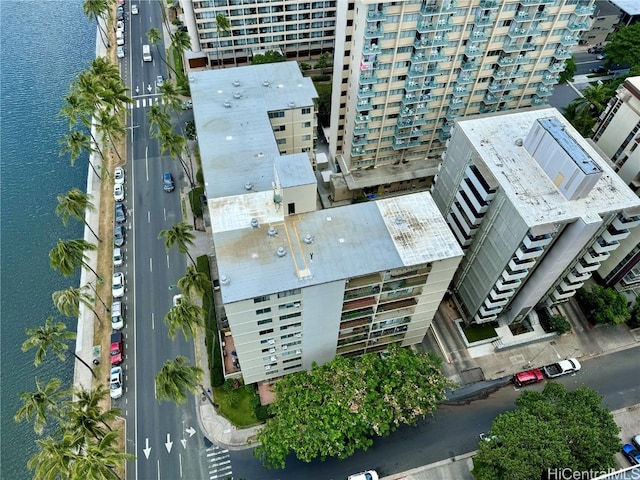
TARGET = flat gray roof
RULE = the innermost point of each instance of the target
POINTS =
(588, 165)
(230, 106)
(630, 7)
(345, 242)
(523, 180)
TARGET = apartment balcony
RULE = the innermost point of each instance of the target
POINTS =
(585, 10)
(473, 49)
(486, 312)
(479, 36)
(359, 140)
(490, 99)
(514, 47)
(430, 9)
(439, 40)
(470, 65)
(518, 31)
(410, 121)
(358, 151)
(564, 286)
(523, 16)
(444, 136)
(489, 4)
(508, 276)
(368, 77)
(488, 108)
(377, 15)
(451, 115)
(550, 79)
(518, 265)
(496, 295)
(447, 127)
(416, 71)
(344, 324)
(457, 103)
(374, 33)
(539, 241)
(412, 110)
(434, 69)
(622, 223)
(412, 85)
(557, 67)
(484, 20)
(469, 208)
(356, 314)
(612, 235)
(576, 277)
(460, 91)
(559, 296)
(525, 254)
(536, 2)
(535, 100)
(586, 268)
(465, 78)
(578, 26)
(372, 49)
(409, 98)
(544, 91)
(569, 41)
(404, 133)
(364, 105)
(399, 144)
(361, 129)
(513, 60)
(602, 246)
(480, 320)
(502, 284)
(442, 25)
(543, 16)
(592, 257)
(489, 303)
(362, 119)
(495, 87)
(418, 58)
(366, 92)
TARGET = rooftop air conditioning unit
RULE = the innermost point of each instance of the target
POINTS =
(272, 350)
(272, 341)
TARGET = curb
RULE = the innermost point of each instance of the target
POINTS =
(424, 468)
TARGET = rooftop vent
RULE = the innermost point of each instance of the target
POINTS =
(265, 83)
(281, 251)
(255, 223)
(224, 280)
(260, 154)
(292, 104)
(227, 104)
(519, 142)
(236, 83)
(308, 239)
(236, 95)
(272, 231)
(399, 220)
(248, 186)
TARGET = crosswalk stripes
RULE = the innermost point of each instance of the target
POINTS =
(146, 102)
(219, 463)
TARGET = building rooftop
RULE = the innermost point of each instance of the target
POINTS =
(499, 141)
(630, 7)
(605, 7)
(232, 104)
(322, 246)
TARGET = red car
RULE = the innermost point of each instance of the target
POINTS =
(527, 378)
(117, 348)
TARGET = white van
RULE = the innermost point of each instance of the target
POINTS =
(120, 37)
(117, 316)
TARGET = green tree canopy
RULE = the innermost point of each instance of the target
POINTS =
(603, 305)
(551, 429)
(270, 56)
(336, 409)
(624, 46)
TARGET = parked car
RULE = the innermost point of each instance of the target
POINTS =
(118, 258)
(117, 348)
(117, 315)
(601, 56)
(159, 81)
(167, 182)
(115, 382)
(119, 213)
(600, 69)
(120, 51)
(118, 235)
(563, 367)
(528, 377)
(368, 475)
(187, 105)
(596, 49)
(632, 454)
(118, 192)
(134, 9)
(118, 175)
(117, 285)
(636, 441)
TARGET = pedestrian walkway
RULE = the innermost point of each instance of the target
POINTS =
(144, 101)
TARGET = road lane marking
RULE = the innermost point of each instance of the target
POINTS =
(151, 264)
(153, 321)
(148, 216)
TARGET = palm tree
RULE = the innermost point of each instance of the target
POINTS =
(110, 127)
(51, 336)
(222, 26)
(175, 144)
(37, 405)
(185, 316)
(170, 96)
(75, 203)
(176, 378)
(159, 120)
(105, 69)
(154, 37)
(580, 117)
(68, 302)
(55, 457)
(84, 417)
(96, 10)
(74, 143)
(180, 235)
(68, 255)
(99, 460)
(194, 282)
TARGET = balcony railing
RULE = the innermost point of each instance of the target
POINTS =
(374, 33)
(359, 140)
(361, 129)
(483, 20)
(460, 91)
(362, 119)
(549, 79)
(499, 87)
(377, 15)
(479, 36)
(578, 26)
(569, 41)
(469, 65)
(513, 60)
(489, 4)
(562, 54)
(366, 92)
(364, 105)
(418, 58)
(517, 31)
(372, 49)
(544, 91)
(443, 6)
(465, 78)
(452, 114)
(412, 85)
(585, 10)
(358, 151)
(368, 78)
(556, 67)
(473, 49)
(441, 25)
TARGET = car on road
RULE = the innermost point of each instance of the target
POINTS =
(118, 175)
(117, 315)
(120, 13)
(600, 69)
(563, 367)
(134, 9)
(119, 213)
(187, 105)
(117, 285)
(120, 26)
(159, 81)
(176, 299)
(118, 192)
(118, 258)
(596, 49)
(167, 182)
(118, 236)
(368, 475)
(115, 382)
(528, 377)
(632, 454)
(117, 348)
(601, 56)
(120, 51)
(636, 441)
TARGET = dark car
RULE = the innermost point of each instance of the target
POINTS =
(600, 69)
(632, 454)
(120, 214)
(527, 378)
(167, 182)
(118, 235)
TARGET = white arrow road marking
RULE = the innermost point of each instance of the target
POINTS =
(191, 431)
(183, 441)
(147, 448)
(168, 443)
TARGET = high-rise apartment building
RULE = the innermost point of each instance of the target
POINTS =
(618, 136)
(535, 208)
(297, 29)
(407, 69)
(297, 285)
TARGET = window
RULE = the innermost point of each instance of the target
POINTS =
(292, 367)
(306, 124)
(264, 298)
(266, 320)
(305, 111)
(281, 141)
(279, 128)
(291, 315)
(288, 293)
(262, 311)
(279, 114)
(266, 332)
